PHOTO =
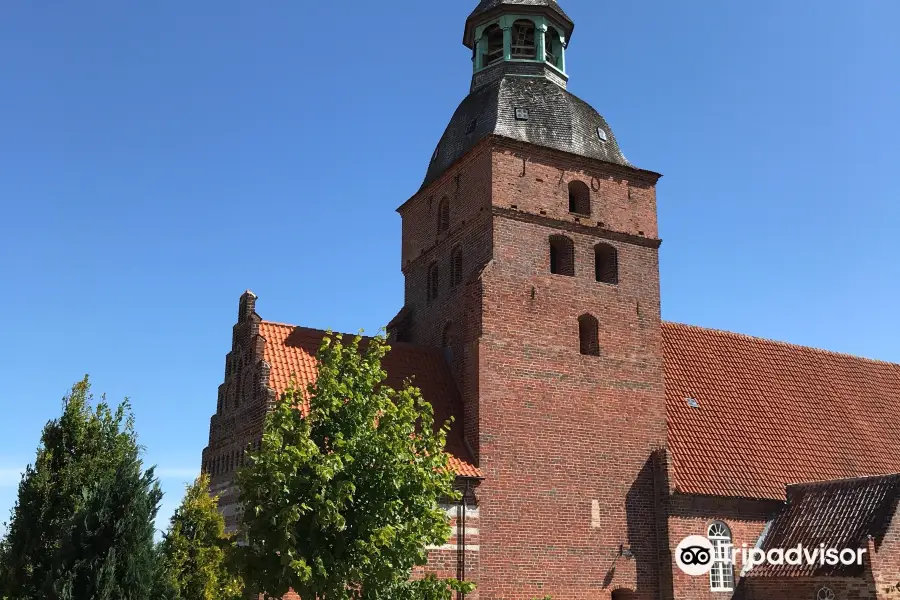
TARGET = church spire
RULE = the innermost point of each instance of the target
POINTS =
(523, 37)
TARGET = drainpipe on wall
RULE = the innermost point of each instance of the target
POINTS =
(461, 537)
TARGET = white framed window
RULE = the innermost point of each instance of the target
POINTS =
(721, 576)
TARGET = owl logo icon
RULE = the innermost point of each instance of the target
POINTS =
(694, 555)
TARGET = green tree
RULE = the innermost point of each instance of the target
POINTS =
(82, 526)
(196, 551)
(341, 503)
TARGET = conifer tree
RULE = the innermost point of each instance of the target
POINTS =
(196, 552)
(82, 526)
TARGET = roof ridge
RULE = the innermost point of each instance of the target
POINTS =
(392, 344)
(725, 332)
(313, 329)
(821, 482)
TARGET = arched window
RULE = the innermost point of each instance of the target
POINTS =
(606, 263)
(523, 39)
(588, 335)
(494, 36)
(433, 281)
(552, 47)
(456, 267)
(721, 576)
(443, 215)
(623, 594)
(579, 198)
(562, 256)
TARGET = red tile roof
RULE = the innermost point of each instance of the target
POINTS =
(771, 413)
(291, 354)
(839, 514)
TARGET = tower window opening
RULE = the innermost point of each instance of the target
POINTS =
(606, 263)
(447, 336)
(443, 215)
(588, 335)
(579, 198)
(447, 342)
(523, 40)
(433, 282)
(456, 267)
(552, 47)
(494, 37)
(562, 256)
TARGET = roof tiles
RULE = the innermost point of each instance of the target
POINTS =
(291, 354)
(839, 514)
(771, 413)
(767, 413)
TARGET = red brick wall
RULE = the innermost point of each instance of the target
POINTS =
(243, 400)
(691, 515)
(444, 560)
(885, 561)
(467, 188)
(566, 441)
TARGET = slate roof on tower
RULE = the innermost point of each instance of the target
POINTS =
(556, 119)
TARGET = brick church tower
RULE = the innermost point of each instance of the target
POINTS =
(531, 256)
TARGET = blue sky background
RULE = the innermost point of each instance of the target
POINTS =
(158, 158)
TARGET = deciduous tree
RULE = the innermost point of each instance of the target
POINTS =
(341, 503)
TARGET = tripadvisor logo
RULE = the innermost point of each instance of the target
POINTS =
(695, 555)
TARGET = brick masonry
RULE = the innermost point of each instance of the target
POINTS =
(569, 444)
(576, 501)
(243, 400)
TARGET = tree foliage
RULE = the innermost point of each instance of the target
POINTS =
(82, 526)
(196, 552)
(340, 504)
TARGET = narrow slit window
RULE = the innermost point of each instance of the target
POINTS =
(447, 336)
(588, 335)
(456, 267)
(433, 282)
(443, 216)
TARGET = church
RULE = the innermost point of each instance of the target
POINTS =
(590, 436)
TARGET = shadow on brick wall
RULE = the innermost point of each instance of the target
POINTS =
(646, 510)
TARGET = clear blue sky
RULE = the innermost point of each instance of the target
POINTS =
(158, 158)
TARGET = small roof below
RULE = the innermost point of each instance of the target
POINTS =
(839, 514)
